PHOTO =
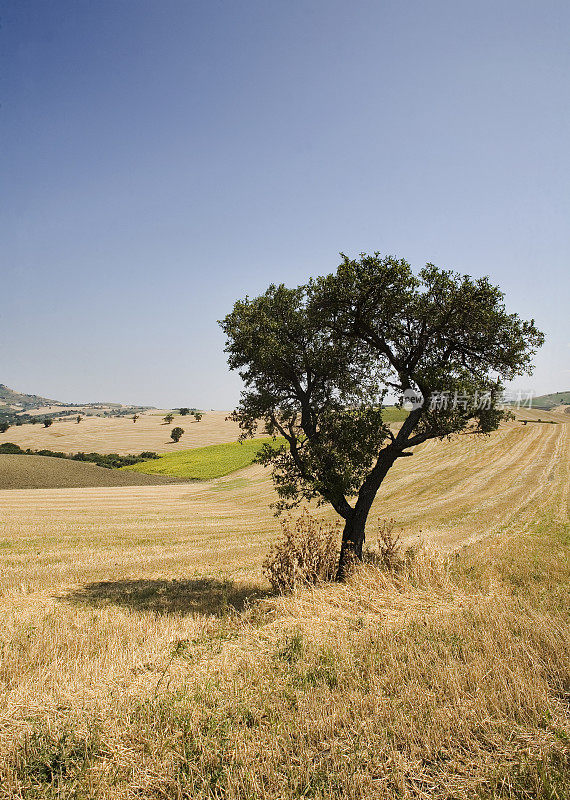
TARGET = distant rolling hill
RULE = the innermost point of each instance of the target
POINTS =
(548, 401)
(9, 397)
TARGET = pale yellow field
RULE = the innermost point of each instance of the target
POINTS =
(101, 588)
(122, 435)
(450, 492)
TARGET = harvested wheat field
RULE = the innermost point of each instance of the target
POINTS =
(140, 658)
(44, 472)
(123, 436)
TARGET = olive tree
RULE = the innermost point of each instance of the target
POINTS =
(318, 360)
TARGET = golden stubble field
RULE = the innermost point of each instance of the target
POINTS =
(100, 586)
(449, 493)
(123, 436)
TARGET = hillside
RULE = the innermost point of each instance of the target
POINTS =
(98, 434)
(44, 472)
(137, 661)
(9, 397)
(548, 401)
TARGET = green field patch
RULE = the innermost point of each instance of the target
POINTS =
(205, 463)
(394, 414)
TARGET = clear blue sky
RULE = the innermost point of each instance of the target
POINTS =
(161, 159)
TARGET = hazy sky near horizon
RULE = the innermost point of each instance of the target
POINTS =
(162, 158)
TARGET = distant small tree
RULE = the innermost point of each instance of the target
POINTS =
(176, 434)
(48, 422)
(79, 418)
(198, 416)
(168, 418)
(184, 412)
(4, 427)
(135, 417)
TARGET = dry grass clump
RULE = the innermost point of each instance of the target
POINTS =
(408, 684)
(306, 554)
(308, 551)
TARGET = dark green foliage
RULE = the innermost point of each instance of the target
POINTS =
(47, 422)
(4, 427)
(184, 411)
(197, 415)
(111, 460)
(176, 434)
(11, 449)
(108, 460)
(318, 360)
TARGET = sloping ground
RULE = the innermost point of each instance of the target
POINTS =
(125, 672)
(123, 436)
(205, 463)
(10, 397)
(550, 400)
(434, 682)
(451, 492)
(44, 472)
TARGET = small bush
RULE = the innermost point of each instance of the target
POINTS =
(11, 449)
(306, 554)
(4, 427)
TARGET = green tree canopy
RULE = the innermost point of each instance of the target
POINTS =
(176, 434)
(318, 360)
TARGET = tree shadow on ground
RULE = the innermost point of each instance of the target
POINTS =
(208, 596)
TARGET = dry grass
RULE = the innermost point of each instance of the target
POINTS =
(132, 666)
(122, 435)
(306, 554)
(416, 685)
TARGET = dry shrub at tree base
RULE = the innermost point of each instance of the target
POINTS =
(306, 553)
(412, 684)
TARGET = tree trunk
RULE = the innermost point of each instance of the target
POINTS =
(354, 528)
(352, 543)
